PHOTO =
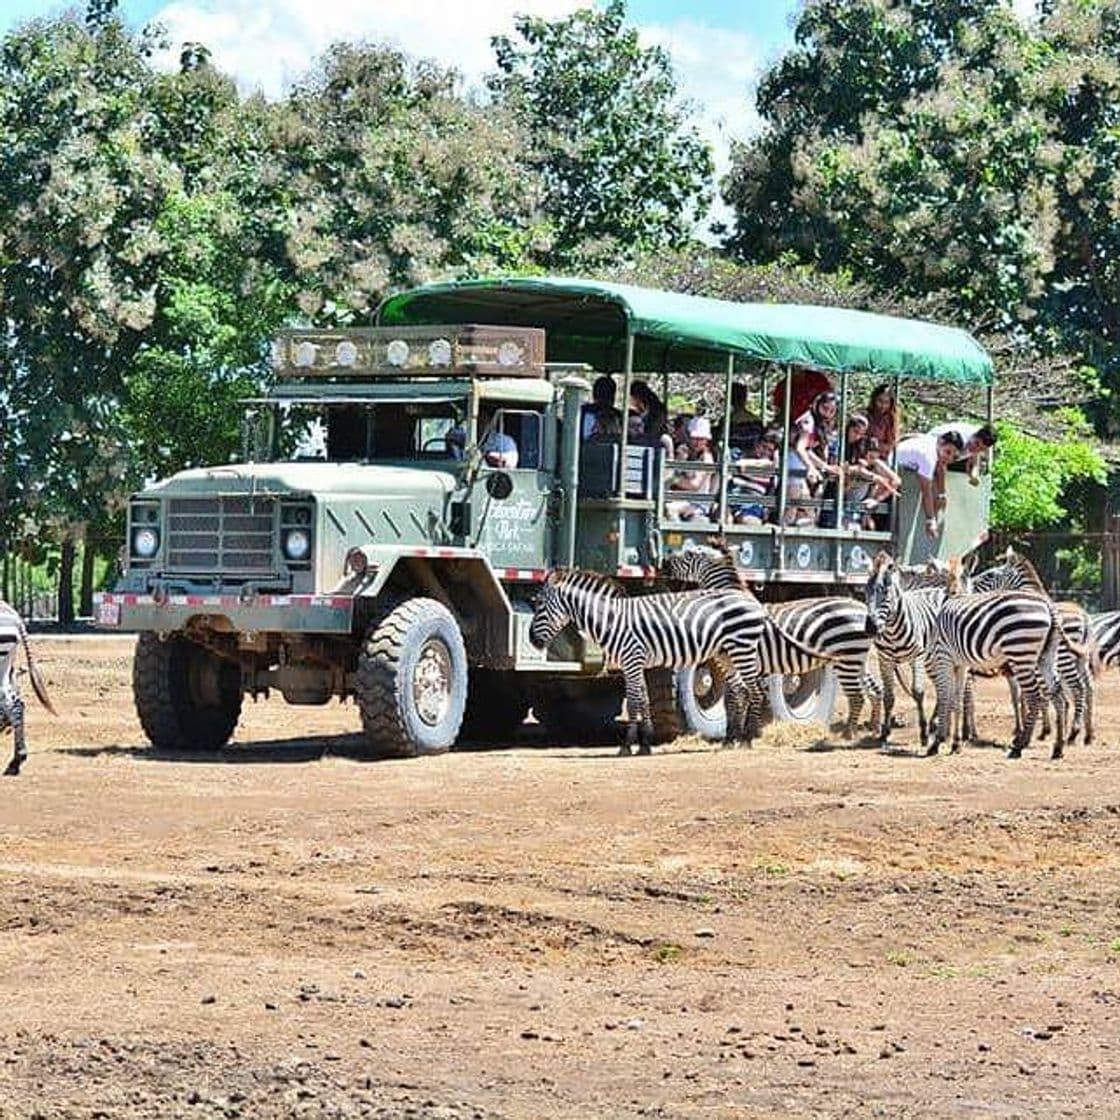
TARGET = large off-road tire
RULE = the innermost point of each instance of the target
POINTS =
(187, 698)
(496, 706)
(664, 705)
(411, 682)
(808, 698)
(580, 711)
(700, 696)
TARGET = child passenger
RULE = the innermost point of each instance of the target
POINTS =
(812, 433)
(756, 478)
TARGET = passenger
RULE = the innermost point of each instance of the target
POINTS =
(868, 482)
(698, 482)
(925, 454)
(599, 419)
(750, 484)
(679, 435)
(855, 433)
(651, 427)
(808, 461)
(745, 428)
(498, 449)
(884, 418)
(977, 439)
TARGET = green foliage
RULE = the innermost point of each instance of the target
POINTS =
(1030, 474)
(621, 167)
(950, 148)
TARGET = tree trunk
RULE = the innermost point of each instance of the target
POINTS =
(66, 584)
(85, 593)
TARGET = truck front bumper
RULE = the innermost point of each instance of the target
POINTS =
(308, 614)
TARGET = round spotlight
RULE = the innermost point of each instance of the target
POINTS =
(297, 544)
(510, 354)
(346, 353)
(396, 353)
(305, 355)
(439, 352)
(145, 543)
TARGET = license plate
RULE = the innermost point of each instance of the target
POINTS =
(108, 614)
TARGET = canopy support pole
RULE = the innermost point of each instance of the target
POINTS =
(623, 444)
(787, 449)
(841, 459)
(725, 450)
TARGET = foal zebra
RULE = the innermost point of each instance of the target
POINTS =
(661, 631)
(799, 635)
(1075, 672)
(13, 634)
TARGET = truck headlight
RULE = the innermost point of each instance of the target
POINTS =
(297, 544)
(145, 542)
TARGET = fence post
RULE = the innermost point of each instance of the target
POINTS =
(1110, 565)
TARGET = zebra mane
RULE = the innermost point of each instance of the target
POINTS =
(579, 577)
(1018, 560)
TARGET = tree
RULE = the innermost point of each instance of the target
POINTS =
(1030, 475)
(129, 278)
(622, 168)
(903, 145)
(386, 177)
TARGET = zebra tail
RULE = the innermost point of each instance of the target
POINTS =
(37, 683)
(800, 646)
(1090, 652)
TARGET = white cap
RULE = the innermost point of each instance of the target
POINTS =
(699, 427)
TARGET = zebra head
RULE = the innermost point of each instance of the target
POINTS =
(1015, 572)
(551, 611)
(705, 567)
(882, 593)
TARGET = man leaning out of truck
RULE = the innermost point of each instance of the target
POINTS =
(929, 455)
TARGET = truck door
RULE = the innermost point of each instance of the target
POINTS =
(511, 502)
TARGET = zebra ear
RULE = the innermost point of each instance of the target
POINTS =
(1009, 555)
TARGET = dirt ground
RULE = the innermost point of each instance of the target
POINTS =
(808, 928)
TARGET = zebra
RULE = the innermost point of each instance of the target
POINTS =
(1106, 631)
(831, 628)
(1016, 631)
(902, 609)
(667, 630)
(13, 634)
(1076, 673)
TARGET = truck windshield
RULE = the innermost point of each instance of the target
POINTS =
(349, 432)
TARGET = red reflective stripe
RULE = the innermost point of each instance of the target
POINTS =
(340, 602)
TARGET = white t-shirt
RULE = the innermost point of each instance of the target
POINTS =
(965, 431)
(918, 453)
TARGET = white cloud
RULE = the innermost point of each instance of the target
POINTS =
(267, 44)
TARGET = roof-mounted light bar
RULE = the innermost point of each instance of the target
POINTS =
(429, 351)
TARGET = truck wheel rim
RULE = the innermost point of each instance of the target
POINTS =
(431, 683)
(707, 686)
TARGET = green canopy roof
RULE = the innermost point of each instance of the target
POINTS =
(588, 321)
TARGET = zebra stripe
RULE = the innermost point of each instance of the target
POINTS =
(798, 635)
(669, 631)
(1075, 672)
(903, 622)
(1013, 631)
(1106, 630)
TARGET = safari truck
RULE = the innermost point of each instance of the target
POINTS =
(407, 486)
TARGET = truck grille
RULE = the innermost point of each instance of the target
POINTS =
(230, 536)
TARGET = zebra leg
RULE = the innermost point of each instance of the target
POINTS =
(738, 705)
(956, 716)
(639, 728)
(1028, 688)
(886, 672)
(1090, 686)
(13, 712)
(918, 684)
(944, 677)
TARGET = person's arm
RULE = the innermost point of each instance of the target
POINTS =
(929, 504)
